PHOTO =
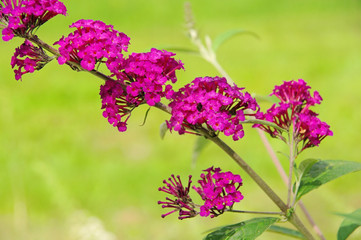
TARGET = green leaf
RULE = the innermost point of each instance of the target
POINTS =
(222, 38)
(270, 99)
(247, 230)
(349, 224)
(180, 49)
(286, 231)
(324, 171)
(145, 117)
(201, 143)
(163, 130)
(304, 166)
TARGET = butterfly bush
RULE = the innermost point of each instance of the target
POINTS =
(22, 17)
(218, 190)
(212, 103)
(206, 106)
(92, 42)
(142, 79)
(148, 74)
(28, 58)
(293, 112)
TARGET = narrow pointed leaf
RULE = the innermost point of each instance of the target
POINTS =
(286, 231)
(201, 143)
(324, 171)
(222, 38)
(180, 49)
(349, 224)
(163, 130)
(247, 230)
(145, 117)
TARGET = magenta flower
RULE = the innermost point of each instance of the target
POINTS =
(116, 108)
(182, 202)
(147, 75)
(310, 130)
(92, 42)
(213, 103)
(219, 191)
(143, 79)
(292, 114)
(22, 17)
(28, 58)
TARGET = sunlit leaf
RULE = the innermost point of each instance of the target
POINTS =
(349, 224)
(222, 38)
(324, 171)
(247, 230)
(304, 166)
(286, 231)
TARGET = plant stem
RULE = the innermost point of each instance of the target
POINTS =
(256, 212)
(311, 221)
(284, 177)
(273, 156)
(35, 39)
(291, 144)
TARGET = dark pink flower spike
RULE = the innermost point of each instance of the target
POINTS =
(93, 42)
(292, 114)
(148, 75)
(22, 17)
(219, 191)
(213, 103)
(116, 108)
(28, 58)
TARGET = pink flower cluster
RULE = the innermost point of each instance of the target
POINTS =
(219, 191)
(211, 102)
(147, 74)
(293, 112)
(141, 77)
(27, 59)
(116, 108)
(92, 42)
(21, 17)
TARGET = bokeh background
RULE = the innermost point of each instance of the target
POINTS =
(65, 173)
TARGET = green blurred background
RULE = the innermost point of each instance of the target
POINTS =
(65, 173)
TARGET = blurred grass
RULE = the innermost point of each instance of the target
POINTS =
(58, 155)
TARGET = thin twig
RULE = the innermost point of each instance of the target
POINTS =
(291, 144)
(256, 212)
